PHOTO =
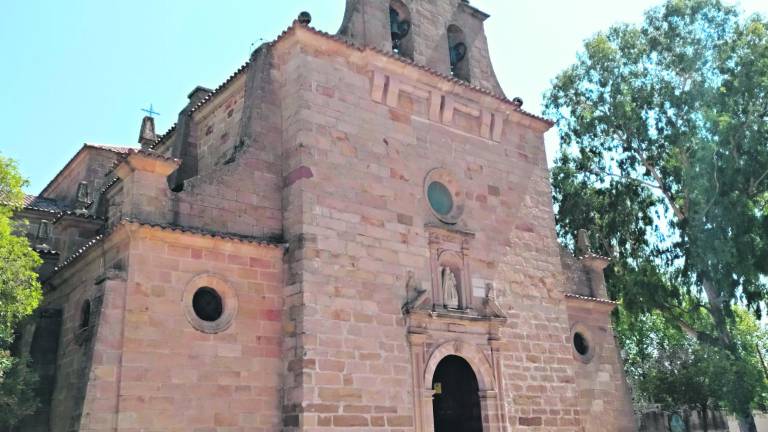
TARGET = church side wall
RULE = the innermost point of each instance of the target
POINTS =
(357, 167)
(68, 291)
(604, 397)
(175, 377)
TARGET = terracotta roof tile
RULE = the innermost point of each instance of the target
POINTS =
(221, 87)
(112, 148)
(271, 242)
(162, 138)
(80, 215)
(265, 241)
(33, 202)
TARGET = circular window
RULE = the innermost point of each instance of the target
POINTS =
(207, 304)
(439, 198)
(444, 196)
(580, 344)
(583, 343)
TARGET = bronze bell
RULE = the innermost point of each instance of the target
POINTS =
(399, 28)
(458, 52)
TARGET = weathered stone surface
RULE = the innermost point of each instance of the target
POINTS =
(321, 149)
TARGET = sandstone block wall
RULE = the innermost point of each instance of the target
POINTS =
(167, 374)
(358, 213)
(601, 381)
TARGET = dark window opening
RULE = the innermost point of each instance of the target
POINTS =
(85, 315)
(83, 194)
(207, 304)
(457, 51)
(400, 28)
(44, 230)
(456, 403)
(580, 344)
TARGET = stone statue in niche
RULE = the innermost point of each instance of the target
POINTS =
(449, 287)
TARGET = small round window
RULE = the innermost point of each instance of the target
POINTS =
(210, 303)
(440, 198)
(443, 195)
(207, 304)
(580, 344)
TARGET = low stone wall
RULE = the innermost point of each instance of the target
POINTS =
(761, 421)
(659, 421)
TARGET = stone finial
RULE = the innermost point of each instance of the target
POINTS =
(147, 136)
(304, 18)
(582, 243)
(594, 264)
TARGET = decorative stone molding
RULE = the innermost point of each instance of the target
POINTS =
(447, 251)
(441, 107)
(485, 364)
(229, 300)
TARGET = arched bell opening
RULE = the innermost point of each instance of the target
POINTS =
(400, 28)
(458, 51)
(456, 401)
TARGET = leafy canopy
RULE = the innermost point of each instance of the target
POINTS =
(664, 157)
(20, 294)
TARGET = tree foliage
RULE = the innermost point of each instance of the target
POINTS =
(667, 366)
(20, 294)
(664, 157)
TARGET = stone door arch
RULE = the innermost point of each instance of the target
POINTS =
(456, 403)
(485, 371)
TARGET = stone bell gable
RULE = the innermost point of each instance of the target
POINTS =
(351, 232)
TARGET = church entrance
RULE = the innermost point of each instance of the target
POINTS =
(456, 403)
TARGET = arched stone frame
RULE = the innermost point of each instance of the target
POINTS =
(487, 371)
(228, 297)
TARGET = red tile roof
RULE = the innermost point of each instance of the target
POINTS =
(111, 148)
(32, 202)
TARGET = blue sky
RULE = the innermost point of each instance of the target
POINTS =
(80, 71)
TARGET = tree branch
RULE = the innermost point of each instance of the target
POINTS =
(630, 178)
(754, 184)
(668, 195)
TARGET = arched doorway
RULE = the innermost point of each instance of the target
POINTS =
(456, 403)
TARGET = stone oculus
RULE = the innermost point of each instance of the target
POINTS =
(352, 232)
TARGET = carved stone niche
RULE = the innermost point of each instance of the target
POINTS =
(450, 294)
(451, 288)
(442, 323)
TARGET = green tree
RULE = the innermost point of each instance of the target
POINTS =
(20, 294)
(663, 128)
(667, 366)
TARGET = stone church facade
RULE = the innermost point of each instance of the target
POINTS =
(353, 232)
